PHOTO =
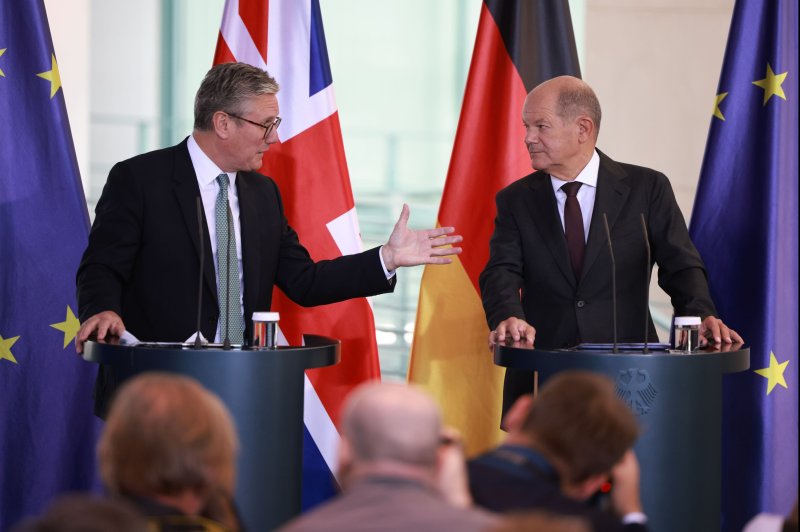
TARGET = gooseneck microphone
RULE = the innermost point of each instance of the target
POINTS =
(226, 344)
(197, 343)
(613, 281)
(647, 291)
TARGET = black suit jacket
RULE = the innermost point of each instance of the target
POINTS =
(505, 481)
(529, 275)
(143, 257)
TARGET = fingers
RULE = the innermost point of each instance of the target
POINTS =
(720, 333)
(405, 213)
(439, 231)
(516, 328)
(100, 326)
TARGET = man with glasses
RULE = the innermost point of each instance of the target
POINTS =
(140, 271)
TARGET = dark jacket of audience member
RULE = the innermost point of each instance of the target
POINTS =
(562, 447)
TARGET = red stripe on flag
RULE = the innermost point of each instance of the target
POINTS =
(223, 53)
(311, 171)
(255, 16)
(489, 152)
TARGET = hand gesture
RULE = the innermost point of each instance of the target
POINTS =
(411, 248)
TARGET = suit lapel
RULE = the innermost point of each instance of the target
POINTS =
(611, 196)
(251, 258)
(187, 192)
(544, 211)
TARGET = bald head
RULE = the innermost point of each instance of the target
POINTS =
(392, 423)
(573, 97)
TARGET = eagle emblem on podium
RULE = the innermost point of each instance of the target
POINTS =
(636, 389)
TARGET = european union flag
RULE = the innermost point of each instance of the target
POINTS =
(745, 225)
(47, 431)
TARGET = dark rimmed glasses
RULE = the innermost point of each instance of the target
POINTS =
(268, 128)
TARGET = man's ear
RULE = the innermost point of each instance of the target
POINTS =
(585, 128)
(222, 124)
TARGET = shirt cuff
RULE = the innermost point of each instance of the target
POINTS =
(386, 272)
(634, 517)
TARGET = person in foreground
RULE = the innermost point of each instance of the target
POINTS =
(396, 468)
(169, 447)
(141, 269)
(549, 274)
(561, 448)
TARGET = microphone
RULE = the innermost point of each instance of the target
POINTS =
(226, 344)
(647, 291)
(613, 280)
(197, 343)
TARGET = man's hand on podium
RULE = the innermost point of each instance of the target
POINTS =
(715, 332)
(102, 326)
(516, 328)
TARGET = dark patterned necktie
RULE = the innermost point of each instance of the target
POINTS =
(228, 269)
(573, 227)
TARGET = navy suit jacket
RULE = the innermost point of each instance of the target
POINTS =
(143, 256)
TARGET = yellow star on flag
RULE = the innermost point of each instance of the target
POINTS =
(774, 373)
(5, 349)
(69, 326)
(2, 51)
(53, 77)
(772, 84)
(717, 101)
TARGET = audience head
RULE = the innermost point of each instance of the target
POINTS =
(578, 422)
(86, 513)
(562, 120)
(165, 437)
(390, 425)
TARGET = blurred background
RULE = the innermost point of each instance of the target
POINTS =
(130, 71)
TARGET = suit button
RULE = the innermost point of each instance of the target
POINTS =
(581, 304)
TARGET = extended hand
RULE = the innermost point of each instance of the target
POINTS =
(101, 324)
(517, 328)
(713, 330)
(411, 248)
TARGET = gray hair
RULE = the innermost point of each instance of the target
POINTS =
(225, 87)
(576, 99)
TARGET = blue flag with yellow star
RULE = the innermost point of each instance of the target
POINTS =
(744, 223)
(47, 431)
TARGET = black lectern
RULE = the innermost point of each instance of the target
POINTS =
(677, 399)
(264, 391)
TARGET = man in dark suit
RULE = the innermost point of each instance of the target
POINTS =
(562, 447)
(140, 270)
(549, 272)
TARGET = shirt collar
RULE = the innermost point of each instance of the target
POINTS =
(204, 168)
(587, 176)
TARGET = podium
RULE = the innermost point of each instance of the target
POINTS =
(263, 389)
(677, 399)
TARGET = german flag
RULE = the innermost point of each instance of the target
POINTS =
(520, 43)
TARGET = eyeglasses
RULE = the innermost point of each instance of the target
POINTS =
(268, 128)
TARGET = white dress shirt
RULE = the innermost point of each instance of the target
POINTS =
(207, 172)
(586, 193)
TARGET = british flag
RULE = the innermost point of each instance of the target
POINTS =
(286, 38)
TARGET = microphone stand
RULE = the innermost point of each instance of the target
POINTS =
(613, 281)
(197, 343)
(646, 292)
